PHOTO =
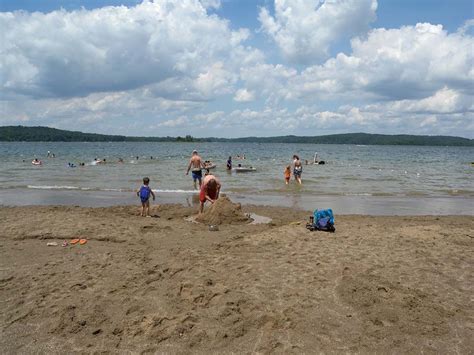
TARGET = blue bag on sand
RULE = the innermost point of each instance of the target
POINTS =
(323, 220)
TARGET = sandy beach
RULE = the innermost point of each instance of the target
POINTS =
(167, 285)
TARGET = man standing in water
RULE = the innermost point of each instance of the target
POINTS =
(196, 166)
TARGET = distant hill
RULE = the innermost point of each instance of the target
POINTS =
(46, 134)
(361, 138)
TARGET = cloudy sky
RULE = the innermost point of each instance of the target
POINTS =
(231, 68)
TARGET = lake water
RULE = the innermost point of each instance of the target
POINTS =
(355, 179)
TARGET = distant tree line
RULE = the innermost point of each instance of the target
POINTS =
(46, 134)
(360, 138)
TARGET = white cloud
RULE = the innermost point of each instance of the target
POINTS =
(215, 80)
(418, 69)
(466, 26)
(307, 120)
(270, 81)
(180, 121)
(304, 30)
(243, 95)
(407, 63)
(113, 112)
(66, 54)
(444, 101)
(211, 4)
(169, 67)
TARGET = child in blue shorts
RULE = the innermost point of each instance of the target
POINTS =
(144, 193)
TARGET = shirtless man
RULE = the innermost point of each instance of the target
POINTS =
(195, 165)
(210, 189)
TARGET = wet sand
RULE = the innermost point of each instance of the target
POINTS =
(161, 284)
(370, 205)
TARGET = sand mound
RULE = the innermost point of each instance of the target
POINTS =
(223, 211)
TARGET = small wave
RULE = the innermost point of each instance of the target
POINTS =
(380, 179)
(457, 192)
(383, 194)
(53, 187)
(176, 191)
(352, 178)
(113, 190)
(415, 194)
(65, 187)
(356, 194)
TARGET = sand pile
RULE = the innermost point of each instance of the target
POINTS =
(223, 211)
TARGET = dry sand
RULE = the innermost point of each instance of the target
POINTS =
(377, 285)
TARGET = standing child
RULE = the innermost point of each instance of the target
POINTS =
(287, 174)
(144, 193)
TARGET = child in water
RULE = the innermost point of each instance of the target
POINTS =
(287, 174)
(144, 193)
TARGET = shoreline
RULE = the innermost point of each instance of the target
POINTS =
(342, 205)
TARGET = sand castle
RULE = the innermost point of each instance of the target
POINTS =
(223, 211)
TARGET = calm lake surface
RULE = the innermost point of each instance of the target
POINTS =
(355, 179)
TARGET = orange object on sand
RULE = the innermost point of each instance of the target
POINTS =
(74, 241)
(83, 241)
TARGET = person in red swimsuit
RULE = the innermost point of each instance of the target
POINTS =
(209, 191)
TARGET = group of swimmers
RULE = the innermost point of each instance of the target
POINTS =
(96, 161)
(210, 185)
(36, 161)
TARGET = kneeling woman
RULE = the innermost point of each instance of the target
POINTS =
(209, 191)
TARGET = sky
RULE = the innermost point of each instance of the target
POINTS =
(235, 68)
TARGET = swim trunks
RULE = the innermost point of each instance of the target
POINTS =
(297, 171)
(197, 175)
